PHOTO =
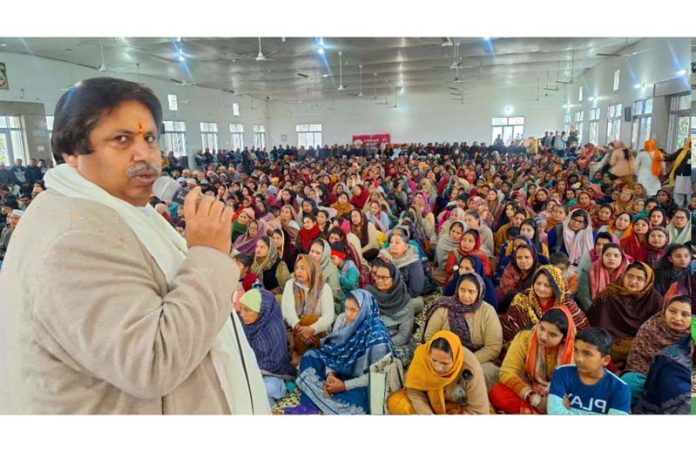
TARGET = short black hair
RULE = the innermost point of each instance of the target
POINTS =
(79, 110)
(244, 259)
(597, 337)
(559, 258)
(338, 231)
(338, 246)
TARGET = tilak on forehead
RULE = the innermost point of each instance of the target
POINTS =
(141, 129)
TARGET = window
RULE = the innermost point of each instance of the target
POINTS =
(12, 140)
(594, 125)
(614, 122)
(209, 137)
(679, 121)
(617, 79)
(580, 94)
(173, 104)
(509, 128)
(237, 131)
(174, 138)
(567, 119)
(259, 136)
(235, 109)
(49, 126)
(579, 119)
(642, 122)
(308, 135)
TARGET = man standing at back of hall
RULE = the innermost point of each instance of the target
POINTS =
(104, 308)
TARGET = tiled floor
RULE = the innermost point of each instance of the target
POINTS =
(293, 399)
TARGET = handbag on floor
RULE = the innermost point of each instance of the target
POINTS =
(386, 376)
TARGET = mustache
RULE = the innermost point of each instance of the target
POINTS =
(143, 167)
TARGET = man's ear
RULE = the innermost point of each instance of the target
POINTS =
(606, 360)
(70, 160)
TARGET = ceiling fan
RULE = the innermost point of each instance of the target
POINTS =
(457, 61)
(183, 82)
(622, 55)
(375, 84)
(538, 96)
(103, 68)
(572, 68)
(555, 88)
(456, 77)
(396, 104)
(261, 57)
(360, 93)
(341, 86)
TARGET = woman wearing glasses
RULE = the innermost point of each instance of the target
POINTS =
(395, 307)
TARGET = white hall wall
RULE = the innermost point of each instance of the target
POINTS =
(657, 67)
(429, 116)
(42, 80)
(432, 116)
(425, 116)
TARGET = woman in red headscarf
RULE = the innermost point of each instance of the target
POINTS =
(469, 245)
(633, 243)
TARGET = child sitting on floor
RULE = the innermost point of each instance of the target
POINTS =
(586, 387)
(349, 273)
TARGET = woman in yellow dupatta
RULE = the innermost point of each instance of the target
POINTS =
(444, 378)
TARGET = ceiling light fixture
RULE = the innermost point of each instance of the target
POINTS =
(681, 73)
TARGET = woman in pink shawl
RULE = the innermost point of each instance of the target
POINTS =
(574, 236)
(608, 268)
(246, 243)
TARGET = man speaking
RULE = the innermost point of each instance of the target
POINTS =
(104, 308)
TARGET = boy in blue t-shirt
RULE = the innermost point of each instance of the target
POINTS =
(586, 387)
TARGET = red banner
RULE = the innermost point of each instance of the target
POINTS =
(372, 140)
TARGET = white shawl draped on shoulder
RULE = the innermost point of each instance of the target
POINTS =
(233, 358)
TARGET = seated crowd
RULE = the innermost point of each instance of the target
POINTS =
(525, 282)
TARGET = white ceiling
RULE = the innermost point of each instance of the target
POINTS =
(414, 64)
